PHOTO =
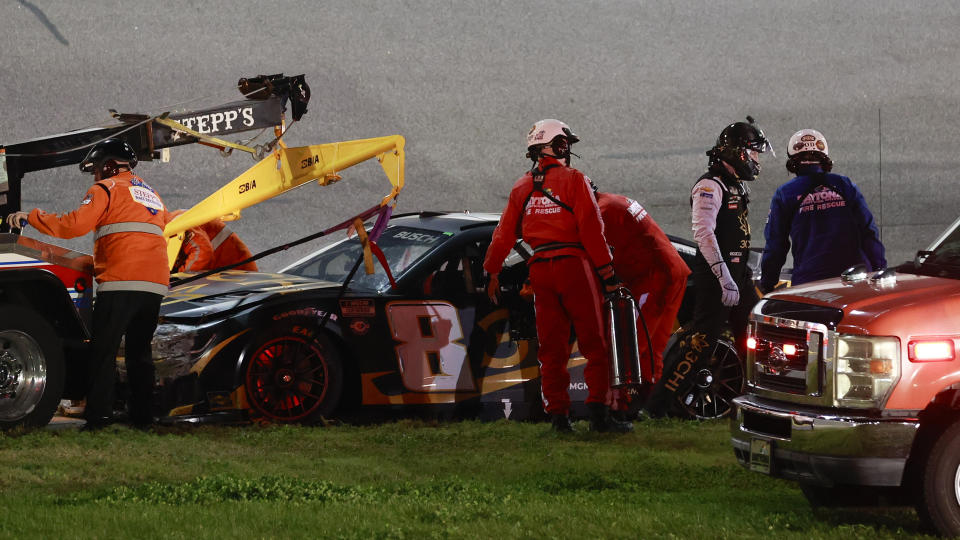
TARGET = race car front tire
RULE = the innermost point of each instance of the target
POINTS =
(293, 373)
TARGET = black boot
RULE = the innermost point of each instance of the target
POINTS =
(96, 423)
(561, 423)
(602, 422)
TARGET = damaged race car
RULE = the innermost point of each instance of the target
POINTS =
(323, 339)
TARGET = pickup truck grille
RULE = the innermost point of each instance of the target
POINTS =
(781, 359)
(787, 354)
(791, 351)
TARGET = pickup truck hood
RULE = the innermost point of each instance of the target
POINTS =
(236, 289)
(913, 305)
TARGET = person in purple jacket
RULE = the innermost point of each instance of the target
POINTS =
(823, 215)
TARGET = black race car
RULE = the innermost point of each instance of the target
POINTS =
(324, 339)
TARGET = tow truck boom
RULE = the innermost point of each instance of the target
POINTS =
(265, 98)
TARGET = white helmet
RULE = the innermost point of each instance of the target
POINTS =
(808, 147)
(545, 132)
(807, 140)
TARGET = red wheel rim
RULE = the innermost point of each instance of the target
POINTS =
(287, 378)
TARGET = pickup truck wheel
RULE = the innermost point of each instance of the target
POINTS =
(939, 501)
(31, 368)
(293, 374)
(715, 385)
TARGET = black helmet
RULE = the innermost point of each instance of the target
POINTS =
(107, 156)
(732, 146)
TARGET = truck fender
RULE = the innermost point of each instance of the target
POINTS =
(42, 291)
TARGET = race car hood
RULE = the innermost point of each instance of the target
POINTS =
(233, 290)
(914, 304)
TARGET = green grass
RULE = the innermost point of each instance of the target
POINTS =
(408, 479)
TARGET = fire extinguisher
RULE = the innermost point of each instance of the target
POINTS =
(620, 311)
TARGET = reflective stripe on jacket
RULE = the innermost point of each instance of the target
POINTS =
(227, 246)
(127, 215)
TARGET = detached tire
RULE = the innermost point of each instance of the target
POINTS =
(939, 501)
(31, 368)
(292, 374)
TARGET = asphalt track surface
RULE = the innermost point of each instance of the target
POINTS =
(646, 85)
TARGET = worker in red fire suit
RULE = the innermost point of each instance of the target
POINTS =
(130, 267)
(553, 210)
(651, 268)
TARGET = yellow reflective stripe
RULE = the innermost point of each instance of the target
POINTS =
(128, 226)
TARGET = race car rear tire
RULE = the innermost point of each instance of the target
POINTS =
(293, 373)
(31, 368)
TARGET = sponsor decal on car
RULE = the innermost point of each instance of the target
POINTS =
(303, 312)
(360, 326)
(357, 308)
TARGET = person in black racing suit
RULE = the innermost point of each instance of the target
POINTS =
(722, 279)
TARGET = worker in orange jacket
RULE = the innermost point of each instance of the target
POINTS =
(227, 246)
(127, 217)
(211, 245)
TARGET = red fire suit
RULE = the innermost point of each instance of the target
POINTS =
(569, 253)
(648, 264)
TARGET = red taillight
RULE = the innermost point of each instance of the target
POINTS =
(789, 349)
(932, 350)
(752, 343)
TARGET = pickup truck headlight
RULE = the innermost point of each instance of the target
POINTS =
(867, 369)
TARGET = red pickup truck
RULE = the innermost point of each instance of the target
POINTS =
(853, 387)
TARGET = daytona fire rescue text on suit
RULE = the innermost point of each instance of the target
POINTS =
(130, 267)
(722, 280)
(553, 209)
(822, 214)
(651, 268)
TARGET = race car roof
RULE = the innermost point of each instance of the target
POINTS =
(445, 221)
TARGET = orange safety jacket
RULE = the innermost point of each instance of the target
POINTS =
(196, 252)
(127, 217)
(227, 246)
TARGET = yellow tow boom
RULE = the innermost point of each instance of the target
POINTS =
(284, 169)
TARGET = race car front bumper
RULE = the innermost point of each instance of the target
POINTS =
(819, 448)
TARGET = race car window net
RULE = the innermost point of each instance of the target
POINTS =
(402, 247)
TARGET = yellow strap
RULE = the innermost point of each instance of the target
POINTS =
(365, 242)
